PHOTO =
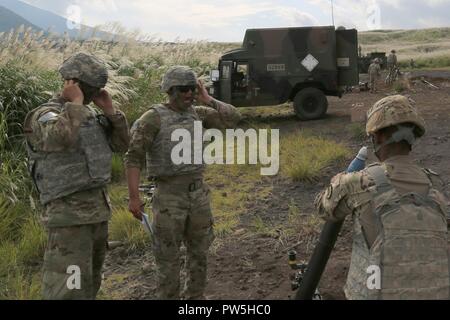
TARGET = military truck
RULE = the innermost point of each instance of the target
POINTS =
(299, 65)
(365, 61)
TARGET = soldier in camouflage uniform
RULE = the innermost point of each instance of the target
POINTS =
(181, 203)
(70, 148)
(399, 212)
(391, 61)
(374, 73)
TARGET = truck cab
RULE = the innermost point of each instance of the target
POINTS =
(302, 65)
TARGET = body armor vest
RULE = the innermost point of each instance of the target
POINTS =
(159, 159)
(86, 165)
(410, 250)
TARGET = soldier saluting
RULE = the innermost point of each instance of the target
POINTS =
(70, 150)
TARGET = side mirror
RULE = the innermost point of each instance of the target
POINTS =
(215, 75)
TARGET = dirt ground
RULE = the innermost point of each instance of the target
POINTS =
(254, 266)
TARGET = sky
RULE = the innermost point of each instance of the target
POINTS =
(227, 20)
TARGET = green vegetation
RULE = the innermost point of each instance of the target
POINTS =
(118, 170)
(357, 131)
(124, 227)
(392, 36)
(435, 62)
(430, 48)
(304, 157)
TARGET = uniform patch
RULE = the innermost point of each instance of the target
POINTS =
(48, 117)
(329, 192)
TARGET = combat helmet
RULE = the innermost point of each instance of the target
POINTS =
(85, 67)
(391, 111)
(178, 76)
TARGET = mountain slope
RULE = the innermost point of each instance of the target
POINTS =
(9, 20)
(47, 20)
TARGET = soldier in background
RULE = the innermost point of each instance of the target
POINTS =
(181, 203)
(70, 149)
(399, 213)
(374, 73)
(392, 63)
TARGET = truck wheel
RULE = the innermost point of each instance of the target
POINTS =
(310, 104)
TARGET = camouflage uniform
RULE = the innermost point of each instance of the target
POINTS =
(70, 160)
(399, 218)
(181, 203)
(374, 73)
(391, 61)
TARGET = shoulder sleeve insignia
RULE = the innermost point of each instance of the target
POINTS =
(46, 117)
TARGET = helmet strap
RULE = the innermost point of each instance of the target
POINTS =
(403, 133)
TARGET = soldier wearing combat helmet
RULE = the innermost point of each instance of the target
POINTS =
(399, 213)
(392, 63)
(374, 73)
(70, 147)
(181, 205)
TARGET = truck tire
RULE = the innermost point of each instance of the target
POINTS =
(310, 104)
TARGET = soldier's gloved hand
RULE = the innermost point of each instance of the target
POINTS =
(135, 206)
(103, 100)
(72, 92)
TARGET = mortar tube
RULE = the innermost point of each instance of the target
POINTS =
(327, 240)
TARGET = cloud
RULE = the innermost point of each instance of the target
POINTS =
(227, 20)
(296, 18)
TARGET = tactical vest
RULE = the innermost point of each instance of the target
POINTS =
(410, 250)
(86, 165)
(159, 159)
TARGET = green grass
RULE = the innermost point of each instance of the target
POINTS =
(124, 227)
(233, 187)
(357, 131)
(9, 259)
(32, 243)
(261, 227)
(21, 285)
(304, 157)
(392, 36)
(118, 169)
(428, 62)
